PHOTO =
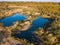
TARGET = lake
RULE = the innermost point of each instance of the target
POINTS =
(28, 34)
(8, 21)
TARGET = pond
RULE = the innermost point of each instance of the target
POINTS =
(28, 34)
(8, 21)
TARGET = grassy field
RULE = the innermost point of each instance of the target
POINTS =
(48, 35)
(46, 10)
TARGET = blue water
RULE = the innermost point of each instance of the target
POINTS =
(8, 21)
(28, 34)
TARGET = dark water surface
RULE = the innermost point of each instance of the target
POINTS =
(28, 34)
